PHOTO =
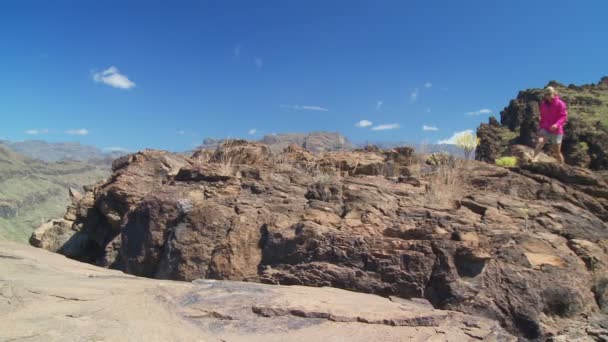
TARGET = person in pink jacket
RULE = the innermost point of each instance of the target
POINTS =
(553, 117)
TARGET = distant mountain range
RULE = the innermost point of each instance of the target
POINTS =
(314, 141)
(52, 152)
(333, 141)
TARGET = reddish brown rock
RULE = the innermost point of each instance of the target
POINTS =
(524, 246)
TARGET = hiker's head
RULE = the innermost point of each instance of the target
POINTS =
(550, 93)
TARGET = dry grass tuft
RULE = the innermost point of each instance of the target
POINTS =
(444, 183)
(225, 160)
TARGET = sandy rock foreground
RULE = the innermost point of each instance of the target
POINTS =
(47, 297)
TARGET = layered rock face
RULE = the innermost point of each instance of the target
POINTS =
(526, 246)
(586, 133)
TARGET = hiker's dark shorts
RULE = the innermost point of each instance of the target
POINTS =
(551, 138)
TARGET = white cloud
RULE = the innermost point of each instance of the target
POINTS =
(258, 62)
(428, 85)
(428, 110)
(452, 139)
(364, 123)
(252, 131)
(237, 51)
(484, 111)
(112, 77)
(299, 107)
(181, 132)
(414, 95)
(379, 104)
(81, 131)
(429, 128)
(321, 109)
(385, 127)
(36, 131)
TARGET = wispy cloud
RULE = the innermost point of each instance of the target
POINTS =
(302, 107)
(181, 132)
(428, 110)
(112, 77)
(81, 131)
(379, 104)
(258, 62)
(385, 127)
(364, 123)
(484, 111)
(414, 95)
(237, 51)
(36, 131)
(452, 140)
(428, 85)
(321, 109)
(252, 131)
(429, 128)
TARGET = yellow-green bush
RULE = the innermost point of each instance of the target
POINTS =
(467, 142)
(506, 161)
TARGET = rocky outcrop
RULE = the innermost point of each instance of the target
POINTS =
(586, 133)
(525, 246)
(45, 297)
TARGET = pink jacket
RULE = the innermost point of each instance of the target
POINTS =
(553, 113)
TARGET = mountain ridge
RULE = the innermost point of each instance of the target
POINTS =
(58, 151)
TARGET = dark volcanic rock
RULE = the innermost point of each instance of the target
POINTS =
(526, 246)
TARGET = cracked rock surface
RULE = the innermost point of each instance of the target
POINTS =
(47, 297)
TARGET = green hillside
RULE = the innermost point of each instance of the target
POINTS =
(32, 191)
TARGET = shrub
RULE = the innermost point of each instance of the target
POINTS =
(437, 159)
(506, 161)
(467, 142)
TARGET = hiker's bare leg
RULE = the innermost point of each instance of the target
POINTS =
(557, 152)
(539, 147)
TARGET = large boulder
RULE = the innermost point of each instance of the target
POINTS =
(512, 245)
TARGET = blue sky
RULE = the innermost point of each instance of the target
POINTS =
(136, 74)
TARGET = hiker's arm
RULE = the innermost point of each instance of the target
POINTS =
(563, 116)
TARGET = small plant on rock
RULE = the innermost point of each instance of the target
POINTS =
(506, 161)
